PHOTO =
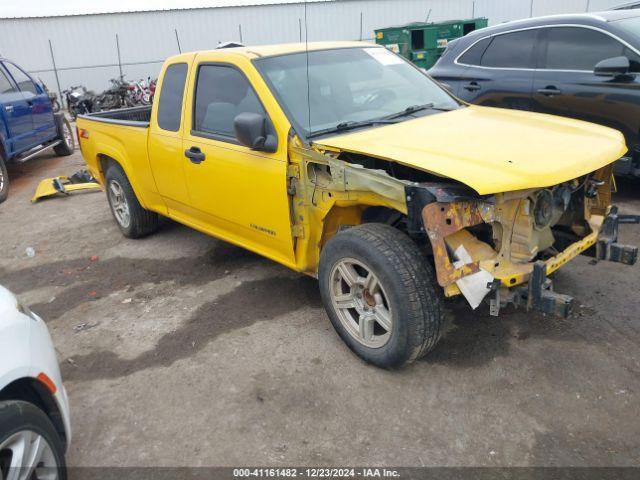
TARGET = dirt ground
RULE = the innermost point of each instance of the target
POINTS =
(182, 350)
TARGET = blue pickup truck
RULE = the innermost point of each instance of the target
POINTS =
(28, 124)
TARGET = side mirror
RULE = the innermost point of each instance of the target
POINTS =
(612, 67)
(251, 131)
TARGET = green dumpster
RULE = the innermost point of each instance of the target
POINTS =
(423, 43)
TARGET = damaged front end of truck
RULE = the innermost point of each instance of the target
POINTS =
(504, 246)
(498, 248)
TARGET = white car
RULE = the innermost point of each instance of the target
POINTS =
(34, 410)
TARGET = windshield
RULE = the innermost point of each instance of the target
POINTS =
(348, 85)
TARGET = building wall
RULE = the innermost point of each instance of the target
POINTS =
(85, 50)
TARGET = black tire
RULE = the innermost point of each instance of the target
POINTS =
(141, 222)
(410, 288)
(17, 416)
(65, 135)
(4, 180)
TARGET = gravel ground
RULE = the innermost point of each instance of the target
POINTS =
(182, 350)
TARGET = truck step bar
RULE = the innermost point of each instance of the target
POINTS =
(34, 151)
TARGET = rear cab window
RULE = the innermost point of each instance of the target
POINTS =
(171, 96)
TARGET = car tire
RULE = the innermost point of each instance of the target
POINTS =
(4, 180)
(389, 319)
(134, 220)
(65, 135)
(22, 422)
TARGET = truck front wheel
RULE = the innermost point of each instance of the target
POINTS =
(4, 181)
(380, 294)
(134, 220)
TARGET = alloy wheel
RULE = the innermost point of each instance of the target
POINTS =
(361, 303)
(119, 204)
(28, 456)
(67, 135)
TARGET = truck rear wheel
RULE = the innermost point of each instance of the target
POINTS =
(65, 135)
(4, 180)
(380, 294)
(134, 220)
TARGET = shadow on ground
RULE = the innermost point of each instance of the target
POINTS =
(251, 302)
(88, 280)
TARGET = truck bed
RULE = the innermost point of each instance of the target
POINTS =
(133, 117)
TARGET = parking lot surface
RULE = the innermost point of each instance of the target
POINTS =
(181, 350)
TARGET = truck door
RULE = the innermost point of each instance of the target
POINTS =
(17, 114)
(44, 125)
(239, 194)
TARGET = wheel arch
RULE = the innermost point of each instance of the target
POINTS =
(105, 160)
(32, 391)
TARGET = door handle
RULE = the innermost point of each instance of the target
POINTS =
(195, 155)
(550, 91)
(472, 87)
(9, 108)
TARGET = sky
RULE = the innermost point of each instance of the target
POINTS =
(46, 8)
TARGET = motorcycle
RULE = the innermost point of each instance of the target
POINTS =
(79, 100)
(152, 89)
(118, 96)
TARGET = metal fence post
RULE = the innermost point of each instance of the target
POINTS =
(240, 31)
(588, 5)
(531, 9)
(473, 9)
(361, 22)
(55, 72)
(300, 27)
(178, 40)
(119, 60)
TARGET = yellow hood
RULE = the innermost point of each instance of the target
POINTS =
(491, 150)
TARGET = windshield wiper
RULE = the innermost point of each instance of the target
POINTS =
(351, 125)
(417, 108)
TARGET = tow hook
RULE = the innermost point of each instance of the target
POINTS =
(537, 295)
(541, 297)
(608, 248)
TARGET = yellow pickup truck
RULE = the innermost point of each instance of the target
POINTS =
(347, 163)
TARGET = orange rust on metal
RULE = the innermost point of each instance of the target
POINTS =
(442, 220)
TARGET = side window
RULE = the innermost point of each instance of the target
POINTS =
(25, 84)
(6, 86)
(511, 50)
(222, 93)
(170, 104)
(473, 56)
(573, 48)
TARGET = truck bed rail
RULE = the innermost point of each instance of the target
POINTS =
(132, 117)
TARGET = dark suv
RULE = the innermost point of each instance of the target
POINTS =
(582, 66)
